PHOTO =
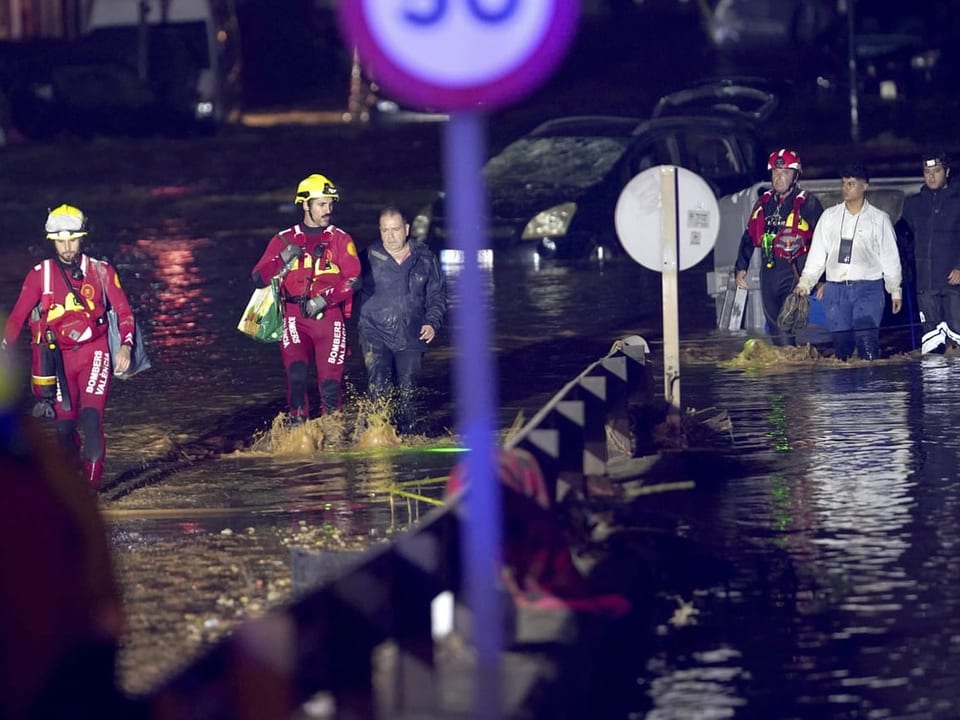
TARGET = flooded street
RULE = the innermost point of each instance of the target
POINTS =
(826, 582)
(840, 592)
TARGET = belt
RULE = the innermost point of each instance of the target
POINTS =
(848, 283)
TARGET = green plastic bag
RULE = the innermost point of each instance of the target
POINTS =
(263, 318)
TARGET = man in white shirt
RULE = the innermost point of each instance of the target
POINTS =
(854, 242)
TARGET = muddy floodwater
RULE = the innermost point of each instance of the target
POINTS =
(818, 566)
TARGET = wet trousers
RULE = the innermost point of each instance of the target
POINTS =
(776, 284)
(940, 305)
(393, 370)
(88, 372)
(854, 311)
(306, 341)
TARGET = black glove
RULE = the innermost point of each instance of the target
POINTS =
(290, 252)
(314, 307)
(43, 409)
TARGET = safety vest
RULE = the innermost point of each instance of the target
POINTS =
(792, 238)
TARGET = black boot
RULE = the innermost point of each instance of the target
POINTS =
(330, 396)
(298, 406)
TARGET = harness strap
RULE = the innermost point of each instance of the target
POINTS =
(98, 321)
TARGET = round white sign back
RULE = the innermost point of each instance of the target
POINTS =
(639, 216)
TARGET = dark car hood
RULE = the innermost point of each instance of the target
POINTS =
(526, 199)
(521, 200)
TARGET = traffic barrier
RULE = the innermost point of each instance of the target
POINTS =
(575, 434)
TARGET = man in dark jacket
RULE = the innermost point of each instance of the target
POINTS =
(781, 227)
(403, 305)
(933, 216)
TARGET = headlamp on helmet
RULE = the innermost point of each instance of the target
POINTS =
(784, 158)
(314, 186)
(935, 158)
(66, 222)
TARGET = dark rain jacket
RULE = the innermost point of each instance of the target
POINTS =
(933, 217)
(398, 298)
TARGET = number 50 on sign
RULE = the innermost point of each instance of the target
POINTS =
(459, 54)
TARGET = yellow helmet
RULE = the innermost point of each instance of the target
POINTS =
(66, 223)
(314, 186)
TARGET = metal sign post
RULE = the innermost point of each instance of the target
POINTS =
(461, 56)
(667, 219)
(669, 273)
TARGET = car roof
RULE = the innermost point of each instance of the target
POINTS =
(616, 126)
(718, 123)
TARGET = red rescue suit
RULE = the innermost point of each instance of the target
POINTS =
(328, 267)
(71, 301)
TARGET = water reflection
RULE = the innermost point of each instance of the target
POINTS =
(179, 305)
(842, 599)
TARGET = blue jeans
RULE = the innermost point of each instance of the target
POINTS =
(854, 311)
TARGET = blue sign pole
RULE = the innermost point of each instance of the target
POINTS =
(475, 391)
(460, 55)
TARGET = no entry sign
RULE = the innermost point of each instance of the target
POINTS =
(459, 54)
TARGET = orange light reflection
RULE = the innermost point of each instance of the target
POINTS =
(180, 303)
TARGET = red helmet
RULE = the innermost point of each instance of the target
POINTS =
(784, 158)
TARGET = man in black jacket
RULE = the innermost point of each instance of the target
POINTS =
(403, 305)
(933, 216)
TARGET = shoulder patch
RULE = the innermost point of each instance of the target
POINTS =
(351, 248)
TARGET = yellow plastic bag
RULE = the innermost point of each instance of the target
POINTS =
(263, 318)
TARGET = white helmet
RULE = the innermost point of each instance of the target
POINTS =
(66, 223)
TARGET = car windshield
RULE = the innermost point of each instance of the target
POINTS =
(571, 161)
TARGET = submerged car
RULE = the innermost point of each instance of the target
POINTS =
(552, 193)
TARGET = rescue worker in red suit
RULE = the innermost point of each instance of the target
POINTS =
(319, 271)
(65, 298)
(781, 227)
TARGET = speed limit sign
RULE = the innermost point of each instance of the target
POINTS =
(459, 54)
